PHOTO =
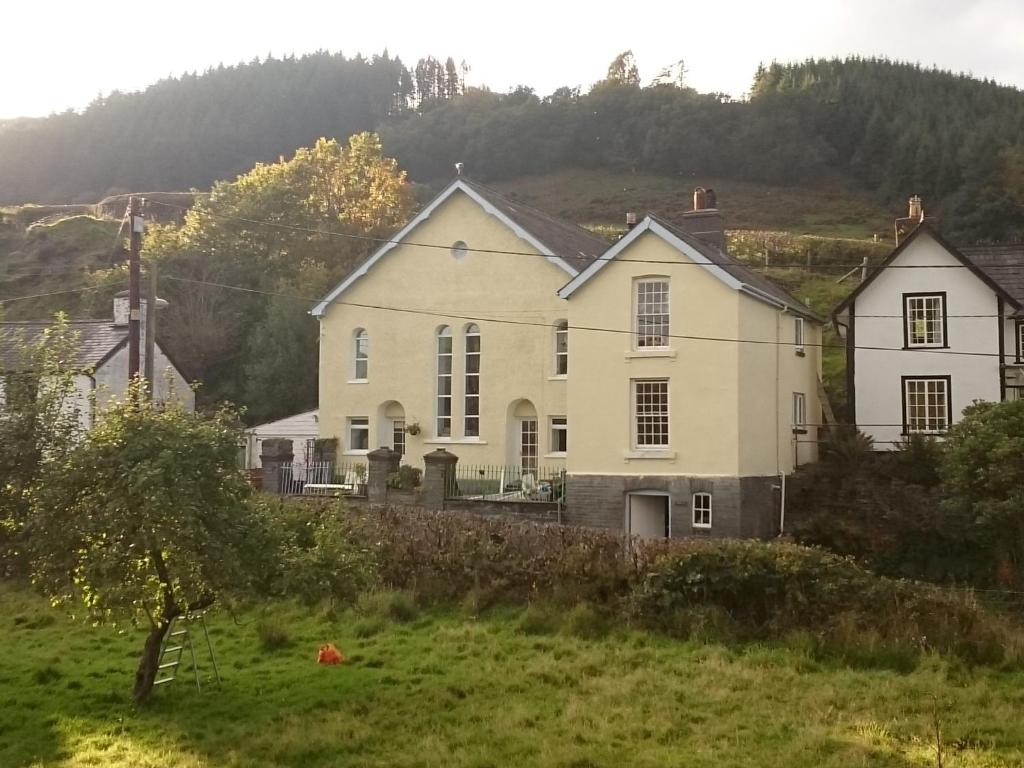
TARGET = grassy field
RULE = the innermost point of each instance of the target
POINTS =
(447, 688)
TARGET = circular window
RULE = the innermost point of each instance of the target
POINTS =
(459, 249)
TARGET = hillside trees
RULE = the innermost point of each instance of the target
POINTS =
(279, 236)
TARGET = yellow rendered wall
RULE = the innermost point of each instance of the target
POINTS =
(703, 375)
(517, 361)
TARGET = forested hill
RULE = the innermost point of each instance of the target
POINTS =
(888, 128)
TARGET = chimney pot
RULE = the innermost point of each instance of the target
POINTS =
(916, 209)
(700, 201)
(630, 219)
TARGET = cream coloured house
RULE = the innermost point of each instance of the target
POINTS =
(674, 385)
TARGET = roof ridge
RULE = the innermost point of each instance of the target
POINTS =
(533, 209)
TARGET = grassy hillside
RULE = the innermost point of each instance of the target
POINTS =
(451, 687)
(602, 197)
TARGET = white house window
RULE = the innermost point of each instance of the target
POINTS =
(652, 312)
(444, 382)
(361, 354)
(702, 510)
(358, 433)
(398, 436)
(927, 407)
(799, 412)
(798, 335)
(650, 413)
(559, 434)
(1020, 341)
(924, 320)
(472, 425)
(561, 347)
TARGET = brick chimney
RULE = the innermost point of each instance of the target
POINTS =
(705, 220)
(907, 224)
(630, 219)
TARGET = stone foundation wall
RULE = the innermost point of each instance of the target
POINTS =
(743, 507)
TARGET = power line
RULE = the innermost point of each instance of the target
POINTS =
(536, 324)
(438, 246)
(53, 293)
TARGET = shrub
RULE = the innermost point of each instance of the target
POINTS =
(406, 478)
(272, 636)
(586, 621)
(539, 619)
(396, 605)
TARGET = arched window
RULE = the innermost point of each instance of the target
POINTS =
(561, 347)
(702, 510)
(472, 412)
(443, 426)
(360, 354)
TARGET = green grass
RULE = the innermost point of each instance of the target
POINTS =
(446, 689)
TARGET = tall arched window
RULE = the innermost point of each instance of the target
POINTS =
(561, 347)
(472, 412)
(360, 354)
(444, 382)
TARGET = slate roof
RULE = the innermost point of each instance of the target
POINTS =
(1004, 264)
(573, 244)
(738, 270)
(97, 340)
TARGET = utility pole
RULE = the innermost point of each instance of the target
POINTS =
(149, 361)
(134, 288)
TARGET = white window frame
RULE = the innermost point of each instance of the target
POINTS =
(471, 401)
(398, 436)
(1019, 325)
(562, 348)
(799, 412)
(645, 388)
(362, 424)
(443, 380)
(705, 509)
(931, 425)
(919, 303)
(645, 291)
(556, 425)
(360, 354)
(798, 335)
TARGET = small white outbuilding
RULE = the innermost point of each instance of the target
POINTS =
(302, 429)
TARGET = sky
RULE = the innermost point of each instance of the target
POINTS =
(65, 53)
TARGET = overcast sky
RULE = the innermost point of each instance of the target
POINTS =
(63, 53)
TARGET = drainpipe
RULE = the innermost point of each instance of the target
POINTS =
(782, 504)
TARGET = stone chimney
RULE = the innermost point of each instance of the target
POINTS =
(705, 220)
(630, 219)
(121, 308)
(916, 211)
(907, 224)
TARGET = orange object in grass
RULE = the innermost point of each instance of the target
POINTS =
(329, 655)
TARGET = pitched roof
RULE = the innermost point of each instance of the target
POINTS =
(1004, 264)
(733, 273)
(97, 340)
(986, 276)
(574, 244)
(566, 245)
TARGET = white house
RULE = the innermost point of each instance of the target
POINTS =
(931, 330)
(100, 362)
(302, 429)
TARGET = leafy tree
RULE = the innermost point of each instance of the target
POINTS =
(623, 70)
(983, 471)
(40, 420)
(145, 521)
(308, 218)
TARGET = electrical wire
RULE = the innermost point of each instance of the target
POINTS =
(438, 246)
(539, 324)
(53, 293)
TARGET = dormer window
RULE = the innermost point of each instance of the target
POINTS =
(924, 320)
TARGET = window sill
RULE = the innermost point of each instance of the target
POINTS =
(799, 431)
(558, 377)
(923, 347)
(702, 526)
(555, 455)
(356, 452)
(455, 441)
(639, 354)
(921, 433)
(358, 381)
(650, 453)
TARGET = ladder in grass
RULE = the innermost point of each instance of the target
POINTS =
(176, 641)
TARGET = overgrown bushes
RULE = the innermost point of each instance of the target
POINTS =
(582, 580)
